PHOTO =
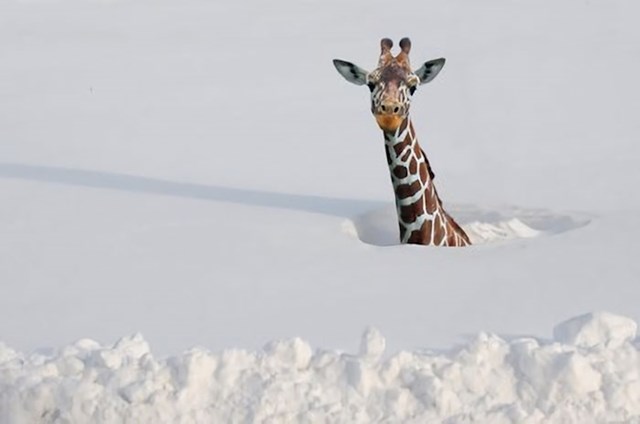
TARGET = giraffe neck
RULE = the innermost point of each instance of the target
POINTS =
(421, 217)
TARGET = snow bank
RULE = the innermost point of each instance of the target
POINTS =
(589, 373)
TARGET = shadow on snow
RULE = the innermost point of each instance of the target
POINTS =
(136, 184)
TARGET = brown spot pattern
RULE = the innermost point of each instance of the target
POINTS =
(407, 190)
(417, 150)
(438, 233)
(413, 166)
(400, 171)
(423, 173)
(398, 148)
(432, 201)
(409, 213)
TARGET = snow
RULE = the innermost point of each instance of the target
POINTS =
(379, 227)
(489, 379)
(198, 173)
(593, 329)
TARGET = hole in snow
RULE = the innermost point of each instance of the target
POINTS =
(380, 227)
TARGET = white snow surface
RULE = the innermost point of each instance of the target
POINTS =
(489, 380)
(197, 172)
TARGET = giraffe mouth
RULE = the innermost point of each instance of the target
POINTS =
(387, 122)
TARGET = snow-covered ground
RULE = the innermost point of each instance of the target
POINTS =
(198, 173)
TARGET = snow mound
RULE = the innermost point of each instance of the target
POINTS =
(380, 227)
(490, 380)
(484, 232)
(596, 329)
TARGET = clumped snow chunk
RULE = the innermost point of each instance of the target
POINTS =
(489, 380)
(372, 344)
(596, 329)
(486, 232)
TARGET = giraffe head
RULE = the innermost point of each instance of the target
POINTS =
(392, 83)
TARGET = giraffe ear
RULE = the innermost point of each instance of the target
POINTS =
(429, 70)
(352, 73)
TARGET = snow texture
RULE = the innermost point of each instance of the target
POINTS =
(587, 374)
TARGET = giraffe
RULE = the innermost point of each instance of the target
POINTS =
(421, 216)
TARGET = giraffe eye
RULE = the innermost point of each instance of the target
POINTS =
(412, 89)
(371, 86)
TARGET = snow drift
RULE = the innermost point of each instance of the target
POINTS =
(588, 373)
(483, 225)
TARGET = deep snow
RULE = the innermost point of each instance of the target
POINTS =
(197, 172)
(587, 374)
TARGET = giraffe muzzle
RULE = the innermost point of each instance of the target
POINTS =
(389, 115)
(388, 122)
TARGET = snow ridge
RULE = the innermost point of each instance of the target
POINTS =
(589, 373)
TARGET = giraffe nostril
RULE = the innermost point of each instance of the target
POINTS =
(396, 109)
(384, 108)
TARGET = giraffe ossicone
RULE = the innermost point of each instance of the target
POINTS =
(421, 215)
